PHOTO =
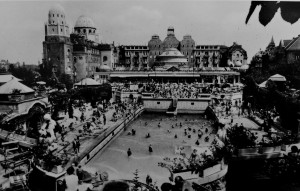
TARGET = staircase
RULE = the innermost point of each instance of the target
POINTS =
(173, 107)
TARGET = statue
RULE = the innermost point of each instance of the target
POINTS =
(47, 129)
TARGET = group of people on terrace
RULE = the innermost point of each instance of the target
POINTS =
(177, 89)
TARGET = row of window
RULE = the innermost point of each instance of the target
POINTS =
(95, 51)
(61, 30)
(137, 47)
(53, 15)
(53, 22)
(208, 47)
(188, 46)
(104, 58)
(136, 53)
(206, 52)
(90, 31)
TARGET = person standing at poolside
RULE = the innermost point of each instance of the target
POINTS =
(129, 153)
(150, 149)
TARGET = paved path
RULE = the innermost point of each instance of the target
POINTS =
(85, 140)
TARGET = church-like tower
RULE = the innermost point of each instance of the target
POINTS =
(57, 47)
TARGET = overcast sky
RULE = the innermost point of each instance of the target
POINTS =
(134, 22)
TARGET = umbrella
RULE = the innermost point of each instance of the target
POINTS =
(41, 82)
(278, 78)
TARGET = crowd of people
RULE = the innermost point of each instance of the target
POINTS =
(175, 90)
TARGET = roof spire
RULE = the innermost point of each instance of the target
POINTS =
(280, 43)
(272, 43)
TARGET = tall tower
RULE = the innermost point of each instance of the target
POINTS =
(57, 47)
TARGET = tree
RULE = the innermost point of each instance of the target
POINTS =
(136, 180)
(67, 80)
(3, 70)
(27, 75)
(289, 11)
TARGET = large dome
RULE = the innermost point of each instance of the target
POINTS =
(57, 10)
(84, 22)
(171, 52)
(105, 67)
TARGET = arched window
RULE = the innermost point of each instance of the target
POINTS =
(104, 59)
(75, 59)
(57, 15)
(90, 31)
(84, 31)
(62, 22)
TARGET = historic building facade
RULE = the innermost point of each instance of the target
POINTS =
(237, 56)
(292, 50)
(79, 54)
(133, 57)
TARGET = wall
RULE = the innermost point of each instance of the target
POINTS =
(238, 56)
(125, 95)
(156, 104)
(110, 60)
(192, 105)
(81, 66)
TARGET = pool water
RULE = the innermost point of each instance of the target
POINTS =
(115, 161)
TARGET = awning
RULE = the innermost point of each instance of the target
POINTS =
(278, 78)
(128, 75)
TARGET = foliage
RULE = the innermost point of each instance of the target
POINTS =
(289, 11)
(27, 75)
(136, 180)
(16, 91)
(275, 94)
(3, 70)
(286, 168)
(240, 137)
(66, 80)
(91, 94)
(197, 163)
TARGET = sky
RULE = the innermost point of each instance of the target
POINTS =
(133, 22)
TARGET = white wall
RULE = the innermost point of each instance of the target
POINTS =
(157, 104)
(192, 106)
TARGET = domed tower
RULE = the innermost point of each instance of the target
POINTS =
(57, 24)
(57, 47)
(85, 26)
(170, 41)
(187, 46)
(155, 48)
